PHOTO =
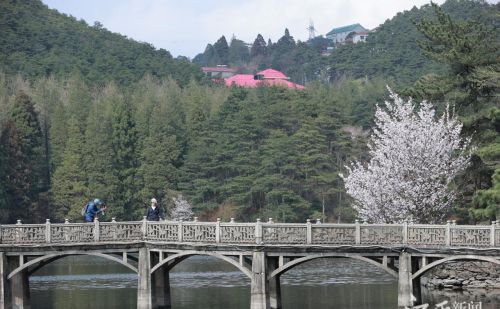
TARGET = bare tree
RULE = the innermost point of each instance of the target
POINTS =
(182, 209)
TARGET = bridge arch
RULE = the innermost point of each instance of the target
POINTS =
(56, 256)
(175, 258)
(429, 266)
(279, 271)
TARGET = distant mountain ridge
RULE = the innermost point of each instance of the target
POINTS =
(390, 52)
(37, 41)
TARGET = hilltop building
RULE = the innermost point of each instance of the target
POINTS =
(268, 77)
(348, 34)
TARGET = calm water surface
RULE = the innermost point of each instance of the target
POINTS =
(207, 283)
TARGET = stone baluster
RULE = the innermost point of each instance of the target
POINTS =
(66, 230)
(448, 233)
(405, 232)
(357, 234)
(258, 232)
(96, 229)
(113, 221)
(144, 227)
(318, 221)
(217, 231)
(308, 231)
(19, 232)
(180, 230)
(492, 235)
(47, 231)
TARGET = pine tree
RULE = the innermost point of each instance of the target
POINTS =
(22, 154)
(276, 180)
(314, 165)
(159, 157)
(222, 50)
(69, 188)
(102, 177)
(124, 142)
(238, 52)
(469, 49)
(258, 47)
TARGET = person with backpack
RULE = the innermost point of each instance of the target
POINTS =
(93, 208)
(153, 213)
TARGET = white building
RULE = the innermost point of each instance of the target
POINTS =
(353, 33)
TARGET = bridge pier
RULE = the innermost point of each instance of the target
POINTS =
(144, 281)
(5, 292)
(14, 293)
(160, 285)
(259, 288)
(405, 284)
(416, 283)
(274, 283)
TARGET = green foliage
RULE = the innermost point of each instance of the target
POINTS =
(40, 42)
(258, 47)
(469, 48)
(271, 153)
(222, 50)
(487, 202)
(238, 52)
(161, 152)
(69, 182)
(102, 179)
(125, 163)
(21, 162)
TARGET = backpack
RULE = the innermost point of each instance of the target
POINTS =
(84, 210)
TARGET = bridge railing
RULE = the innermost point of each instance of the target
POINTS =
(269, 233)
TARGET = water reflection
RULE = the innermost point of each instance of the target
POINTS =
(207, 283)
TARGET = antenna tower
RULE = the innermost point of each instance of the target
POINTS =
(311, 29)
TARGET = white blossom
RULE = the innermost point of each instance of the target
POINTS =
(182, 209)
(414, 157)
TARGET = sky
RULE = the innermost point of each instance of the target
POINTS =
(184, 27)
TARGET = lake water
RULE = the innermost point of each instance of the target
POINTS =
(207, 283)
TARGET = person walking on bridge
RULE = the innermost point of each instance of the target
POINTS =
(93, 209)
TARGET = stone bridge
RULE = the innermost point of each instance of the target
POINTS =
(263, 251)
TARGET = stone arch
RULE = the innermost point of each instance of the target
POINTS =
(279, 271)
(56, 256)
(429, 266)
(175, 258)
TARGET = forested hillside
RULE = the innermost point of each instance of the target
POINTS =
(37, 41)
(136, 123)
(232, 152)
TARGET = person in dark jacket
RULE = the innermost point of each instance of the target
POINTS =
(93, 209)
(153, 212)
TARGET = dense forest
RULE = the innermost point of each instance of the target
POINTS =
(128, 124)
(36, 41)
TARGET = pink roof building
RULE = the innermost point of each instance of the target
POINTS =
(268, 77)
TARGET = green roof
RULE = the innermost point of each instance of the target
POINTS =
(345, 29)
